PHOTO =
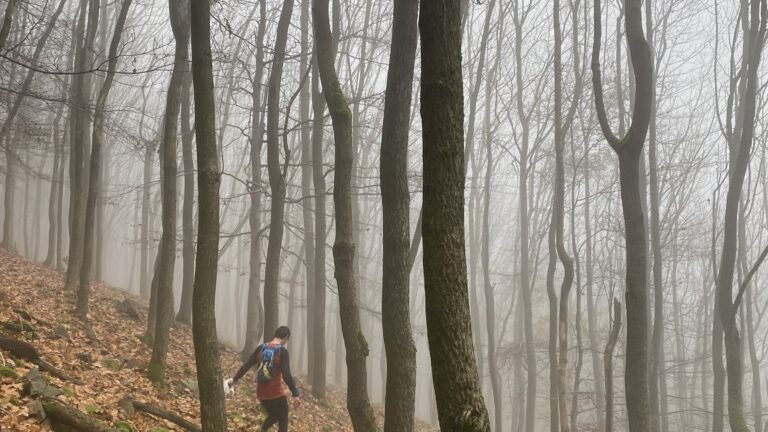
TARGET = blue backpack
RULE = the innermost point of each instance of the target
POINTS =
(269, 357)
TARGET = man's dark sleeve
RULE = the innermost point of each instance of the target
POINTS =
(248, 364)
(285, 368)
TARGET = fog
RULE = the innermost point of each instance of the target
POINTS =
(700, 77)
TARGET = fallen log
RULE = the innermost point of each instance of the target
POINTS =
(161, 413)
(26, 351)
(61, 414)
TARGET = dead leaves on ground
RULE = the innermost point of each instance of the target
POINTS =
(111, 360)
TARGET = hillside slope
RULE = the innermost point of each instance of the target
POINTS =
(110, 360)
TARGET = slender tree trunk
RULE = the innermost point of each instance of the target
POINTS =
(144, 284)
(13, 110)
(317, 352)
(525, 253)
(5, 30)
(454, 369)
(400, 395)
(53, 223)
(306, 174)
(490, 313)
(81, 96)
(344, 247)
(739, 157)
(95, 164)
(597, 369)
(10, 186)
(608, 364)
(187, 217)
(254, 320)
(212, 409)
(26, 180)
(60, 199)
(276, 177)
(178, 11)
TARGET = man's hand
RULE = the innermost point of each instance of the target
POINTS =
(296, 401)
(229, 387)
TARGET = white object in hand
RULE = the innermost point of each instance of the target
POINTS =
(229, 387)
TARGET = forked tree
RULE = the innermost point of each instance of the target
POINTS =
(629, 149)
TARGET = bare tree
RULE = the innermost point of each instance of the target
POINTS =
(395, 314)
(80, 140)
(255, 310)
(95, 165)
(739, 154)
(212, 410)
(608, 364)
(629, 150)
(454, 369)
(179, 13)
(276, 175)
(5, 30)
(344, 247)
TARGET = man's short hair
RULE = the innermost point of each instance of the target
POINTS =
(283, 332)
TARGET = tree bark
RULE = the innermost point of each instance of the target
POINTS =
(53, 223)
(525, 252)
(739, 151)
(276, 176)
(317, 351)
(212, 409)
(306, 174)
(344, 247)
(13, 111)
(80, 141)
(608, 364)
(454, 369)
(179, 13)
(5, 30)
(95, 164)
(400, 395)
(254, 320)
(187, 217)
(629, 149)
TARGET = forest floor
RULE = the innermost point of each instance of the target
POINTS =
(111, 360)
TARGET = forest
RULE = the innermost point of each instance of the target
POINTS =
(473, 215)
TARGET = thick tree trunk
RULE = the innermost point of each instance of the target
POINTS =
(399, 401)
(344, 247)
(276, 176)
(212, 409)
(454, 369)
(179, 13)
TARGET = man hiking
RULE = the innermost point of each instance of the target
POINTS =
(273, 367)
